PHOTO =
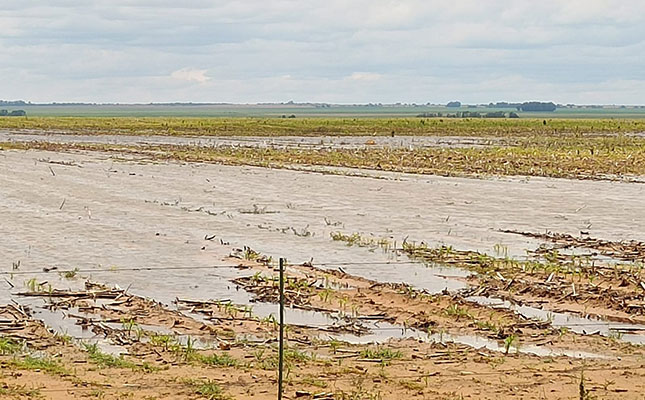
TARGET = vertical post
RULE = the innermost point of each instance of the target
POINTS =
(281, 348)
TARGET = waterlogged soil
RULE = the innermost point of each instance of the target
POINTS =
(417, 370)
(309, 288)
(163, 232)
(158, 365)
(275, 142)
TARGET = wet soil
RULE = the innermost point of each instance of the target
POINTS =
(160, 366)
(165, 232)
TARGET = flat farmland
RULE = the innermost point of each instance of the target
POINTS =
(438, 259)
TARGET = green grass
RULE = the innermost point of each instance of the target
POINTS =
(9, 346)
(47, 365)
(188, 353)
(104, 360)
(589, 149)
(381, 353)
(208, 389)
(215, 360)
(458, 312)
(291, 356)
(325, 126)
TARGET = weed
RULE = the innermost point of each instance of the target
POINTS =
(615, 334)
(9, 346)
(71, 274)
(455, 311)
(33, 285)
(208, 389)
(64, 338)
(509, 342)
(358, 392)
(128, 325)
(104, 360)
(19, 391)
(384, 354)
(50, 366)
(164, 341)
(583, 393)
(325, 294)
(334, 345)
(412, 385)
(488, 325)
(217, 360)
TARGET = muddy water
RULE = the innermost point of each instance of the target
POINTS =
(279, 142)
(392, 331)
(104, 215)
(632, 333)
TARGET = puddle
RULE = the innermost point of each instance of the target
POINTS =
(109, 215)
(389, 331)
(57, 321)
(276, 142)
(577, 324)
(381, 332)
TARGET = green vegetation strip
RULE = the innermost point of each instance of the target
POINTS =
(324, 126)
(110, 361)
(208, 389)
(47, 365)
(581, 158)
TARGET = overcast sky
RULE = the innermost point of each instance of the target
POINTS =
(358, 51)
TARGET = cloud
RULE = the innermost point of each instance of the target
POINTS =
(364, 76)
(358, 51)
(190, 75)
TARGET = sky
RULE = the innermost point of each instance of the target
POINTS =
(358, 51)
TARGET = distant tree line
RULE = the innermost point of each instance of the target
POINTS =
(503, 104)
(526, 106)
(14, 113)
(537, 106)
(13, 103)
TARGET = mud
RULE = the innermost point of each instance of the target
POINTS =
(164, 233)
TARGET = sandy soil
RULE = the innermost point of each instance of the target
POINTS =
(116, 220)
(159, 367)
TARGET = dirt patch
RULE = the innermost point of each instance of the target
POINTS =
(322, 369)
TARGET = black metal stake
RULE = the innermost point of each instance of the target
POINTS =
(281, 349)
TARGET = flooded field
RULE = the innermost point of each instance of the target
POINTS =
(276, 142)
(192, 247)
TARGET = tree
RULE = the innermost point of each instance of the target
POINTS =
(496, 114)
(538, 106)
(454, 104)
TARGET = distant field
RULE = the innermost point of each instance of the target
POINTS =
(598, 157)
(525, 127)
(276, 111)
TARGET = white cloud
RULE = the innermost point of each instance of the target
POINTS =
(190, 75)
(363, 50)
(364, 76)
